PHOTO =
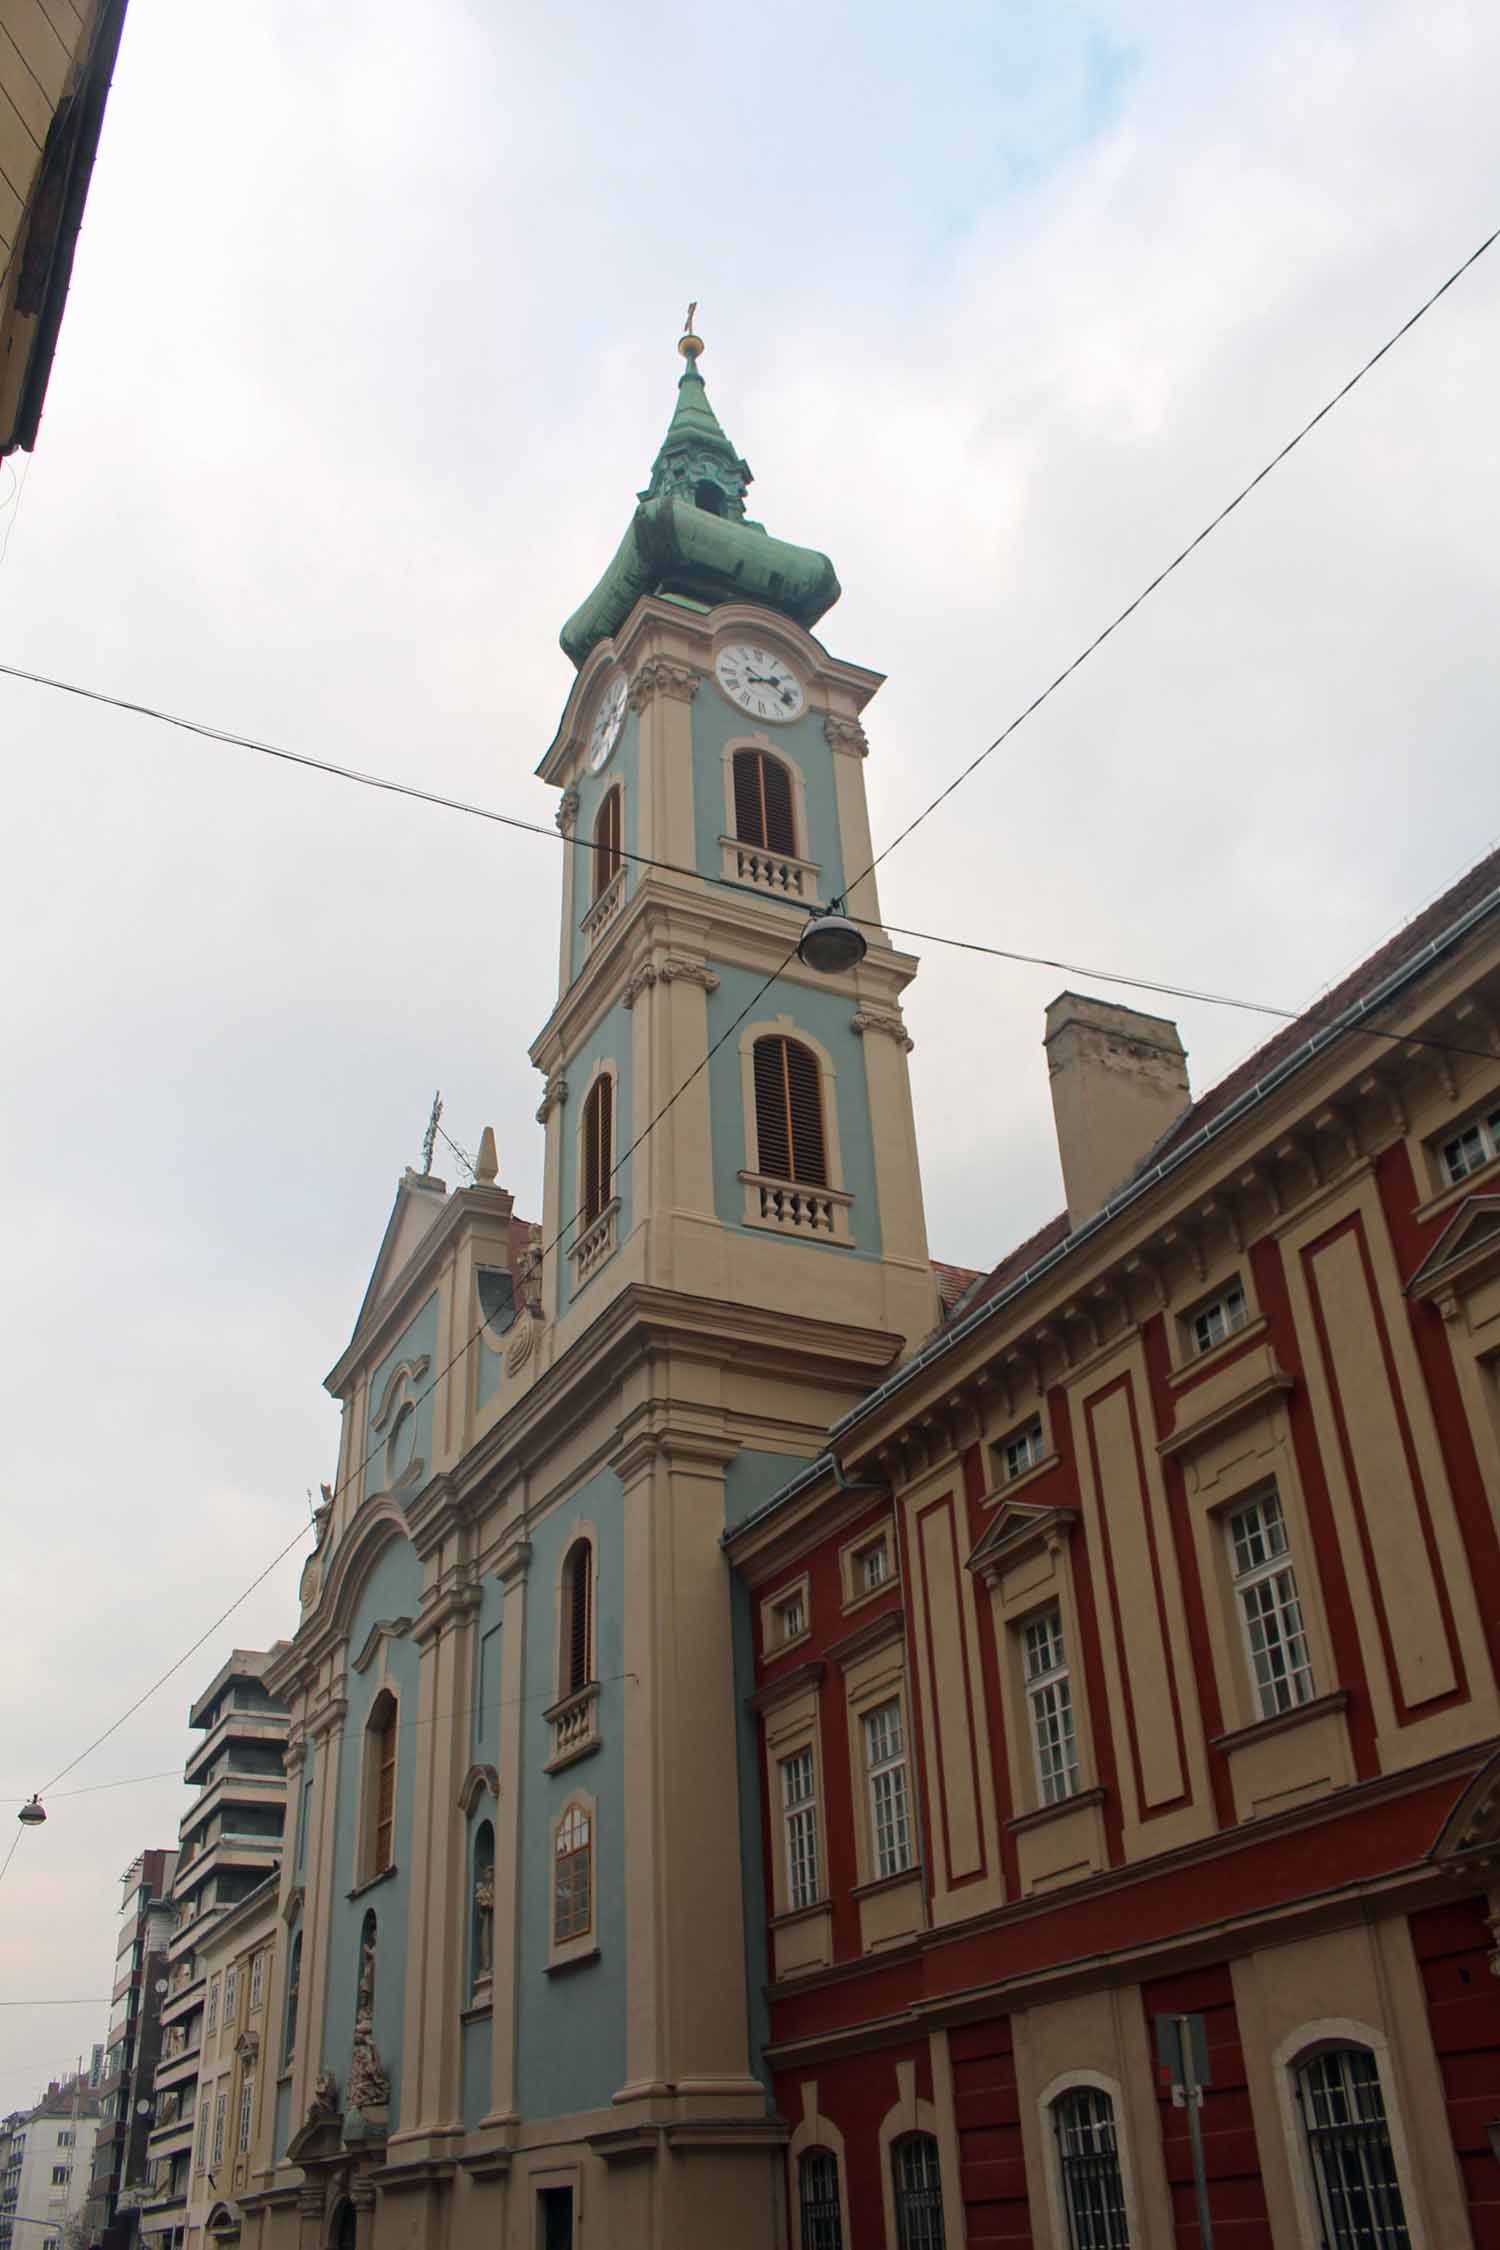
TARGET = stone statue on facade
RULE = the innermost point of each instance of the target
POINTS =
(369, 2087)
(325, 2097)
(484, 1911)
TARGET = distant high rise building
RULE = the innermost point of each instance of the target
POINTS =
(119, 2156)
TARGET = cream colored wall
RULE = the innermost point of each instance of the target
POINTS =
(41, 42)
(1098, 2039)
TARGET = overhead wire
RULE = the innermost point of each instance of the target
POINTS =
(433, 797)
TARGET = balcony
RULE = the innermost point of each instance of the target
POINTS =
(604, 910)
(232, 1788)
(818, 1214)
(228, 1849)
(180, 2067)
(776, 872)
(575, 1726)
(236, 1726)
(595, 1244)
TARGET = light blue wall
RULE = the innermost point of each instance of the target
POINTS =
(803, 745)
(826, 1015)
(419, 1336)
(392, 1589)
(478, 2054)
(749, 1482)
(609, 1041)
(484, 1732)
(623, 767)
(572, 2022)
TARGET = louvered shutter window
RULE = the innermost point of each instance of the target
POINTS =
(598, 1149)
(607, 841)
(580, 1589)
(763, 802)
(789, 1112)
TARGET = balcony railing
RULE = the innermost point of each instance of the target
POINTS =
(595, 1244)
(604, 909)
(777, 872)
(815, 1213)
(575, 1725)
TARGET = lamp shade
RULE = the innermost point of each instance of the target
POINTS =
(831, 943)
(31, 1814)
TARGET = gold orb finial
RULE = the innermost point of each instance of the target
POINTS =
(688, 344)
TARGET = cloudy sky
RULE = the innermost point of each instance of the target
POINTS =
(370, 343)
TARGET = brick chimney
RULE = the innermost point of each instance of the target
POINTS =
(1119, 1079)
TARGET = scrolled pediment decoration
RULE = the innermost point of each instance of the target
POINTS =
(478, 1782)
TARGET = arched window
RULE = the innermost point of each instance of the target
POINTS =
(576, 1637)
(919, 2192)
(818, 2200)
(607, 841)
(763, 802)
(482, 1907)
(572, 1877)
(1089, 2159)
(789, 1112)
(1349, 2143)
(598, 1148)
(293, 1993)
(380, 1787)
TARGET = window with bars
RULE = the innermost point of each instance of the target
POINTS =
(380, 1782)
(572, 1877)
(763, 802)
(598, 1148)
(1049, 1703)
(220, 2107)
(1089, 2160)
(800, 1815)
(1022, 1449)
(1219, 1318)
(1349, 2143)
(917, 2180)
(1265, 1586)
(577, 1667)
(885, 1764)
(1474, 1145)
(608, 837)
(818, 2200)
(789, 1112)
(247, 2105)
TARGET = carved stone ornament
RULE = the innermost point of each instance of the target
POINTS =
(871, 1019)
(846, 734)
(557, 1091)
(325, 2097)
(567, 808)
(640, 980)
(688, 972)
(368, 2087)
(522, 1340)
(659, 676)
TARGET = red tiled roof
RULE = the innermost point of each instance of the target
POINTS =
(952, 1281)
(1371, 972)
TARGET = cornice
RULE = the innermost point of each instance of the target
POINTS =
(512, 1566)
(890, 1625)
(783, 1688)
(446, 1607)
(372, 1339)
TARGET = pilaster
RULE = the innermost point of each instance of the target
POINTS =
(325, 1726)
(511, 1571)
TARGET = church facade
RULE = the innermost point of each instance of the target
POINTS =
(796, 1745)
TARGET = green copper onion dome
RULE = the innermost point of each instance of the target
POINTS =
(690, 534)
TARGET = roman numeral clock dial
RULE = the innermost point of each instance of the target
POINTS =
(759, 682)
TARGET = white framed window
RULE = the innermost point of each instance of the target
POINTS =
(791, 1617)
(1088, 2156)
(873, 1566)
(1349, 2149)
(1049, 1705)
(573, 1877)
(247, 2104)
(799, 1813)
(1220, 1317)
(213, 2007)
(890, 1810)
(1022, 1449)
(231, 1993)
(220, 2106)
(1469, 1148)
(257, 1981)
(1265, 1586)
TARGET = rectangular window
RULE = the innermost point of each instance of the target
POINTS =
(247, 2104)
(65, 2137)
(801, 1816)
(874, 1567)
(791, 1616)
(1022, 1449)
(203, 2113)
(1466, 1151)
(1219, 1318)
(60, 2175)
(1265, 1586)
(231, 1993)
(554, 2218)
(213, 2008)
(219, 2108)
(257, 1981)
(885, 1762)
(1049, 1699)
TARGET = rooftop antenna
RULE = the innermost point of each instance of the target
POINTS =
(429, 1138)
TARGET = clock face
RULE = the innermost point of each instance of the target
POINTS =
(760, 683)
(607, 725)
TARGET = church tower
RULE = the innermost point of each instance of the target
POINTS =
(710, 759)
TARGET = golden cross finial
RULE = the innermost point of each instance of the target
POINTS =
(690, 345)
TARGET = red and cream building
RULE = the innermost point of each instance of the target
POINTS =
(1133, 1652)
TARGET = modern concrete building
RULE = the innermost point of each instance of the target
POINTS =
(56, 59)
(230, 1848)
(125, 2089)
(46, 2161)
